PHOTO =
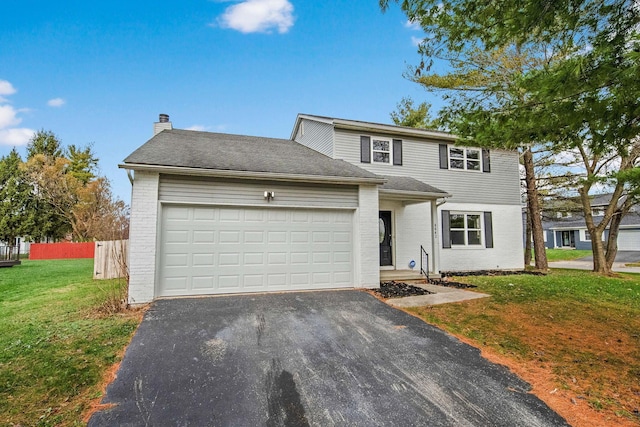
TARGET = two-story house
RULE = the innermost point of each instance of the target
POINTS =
(332, 207)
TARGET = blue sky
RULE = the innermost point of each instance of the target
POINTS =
(101, 72)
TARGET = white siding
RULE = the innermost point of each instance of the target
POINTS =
(142, 236)
(367, 246)
(316, 135)
(175, 188)
(507, 252)
(421, 161)
(412, 229)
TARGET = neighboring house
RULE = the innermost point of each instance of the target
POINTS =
(329, 208)
(565, 228)
(22, 243)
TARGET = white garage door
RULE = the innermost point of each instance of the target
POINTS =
(629, 240)
(206, 250)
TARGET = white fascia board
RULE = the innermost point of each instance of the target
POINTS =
(397, 130)
(412, 195)
(265, 176)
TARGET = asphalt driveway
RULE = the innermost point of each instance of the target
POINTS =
(621, 256)
(334, 358)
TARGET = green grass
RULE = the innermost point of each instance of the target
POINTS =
(581, 327)
(566, 254)
(55, 345)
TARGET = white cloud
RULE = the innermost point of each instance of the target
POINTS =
(9, 134)
(258, 16)
(8, 116)
(412, 25)
(199, 128)
(202, 128)
(6, 88)
(56, 102)
(416, 40)
(15, 136)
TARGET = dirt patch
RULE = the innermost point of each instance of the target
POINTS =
(583, 366)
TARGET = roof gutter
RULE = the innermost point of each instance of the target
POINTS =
(416, 194)
(265, 176)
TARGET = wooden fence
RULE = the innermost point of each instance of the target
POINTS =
(61, 250)
(110, 259)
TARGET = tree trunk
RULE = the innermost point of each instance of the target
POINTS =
(533, 204)
(599, 260)
(612, 240)
(528, 233)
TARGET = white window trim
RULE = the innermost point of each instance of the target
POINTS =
(466, 245)
(464, 158)
(583, 236)
(380, 138)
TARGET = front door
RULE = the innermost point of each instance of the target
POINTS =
(568, 239)
(384, 225)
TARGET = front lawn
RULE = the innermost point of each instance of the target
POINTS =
(56, 343)
(574, 335)
(566, 254)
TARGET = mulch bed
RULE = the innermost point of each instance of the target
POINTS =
(491, 273)
(394, 289)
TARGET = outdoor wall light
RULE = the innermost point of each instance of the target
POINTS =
(269, 195)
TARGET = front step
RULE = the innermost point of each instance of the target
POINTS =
(388, 275)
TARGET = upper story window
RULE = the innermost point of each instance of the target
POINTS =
(375, 149)
(380, 150)
(464, 158)
(597, 212)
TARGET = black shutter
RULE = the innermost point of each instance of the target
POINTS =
(488, 230)
(397, 152)
(444, 156)
(486, 160)
(365, 149)
(446, 235)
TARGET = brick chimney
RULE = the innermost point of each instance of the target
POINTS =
(162, 124)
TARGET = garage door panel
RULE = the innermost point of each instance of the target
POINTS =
(231, 281)
(203, 260)
(204, 236)
(200, 283)
(276, 281)
(629, 240)
(206, 250)
(229, 237)
(254, 281)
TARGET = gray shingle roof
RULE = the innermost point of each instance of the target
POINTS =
(226, 152)
(405, 183)
(631, 219)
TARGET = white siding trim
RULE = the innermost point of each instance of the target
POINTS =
(143, 237)
(367, 250)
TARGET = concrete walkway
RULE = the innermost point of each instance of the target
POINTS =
(440, 295)
(618, 267)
